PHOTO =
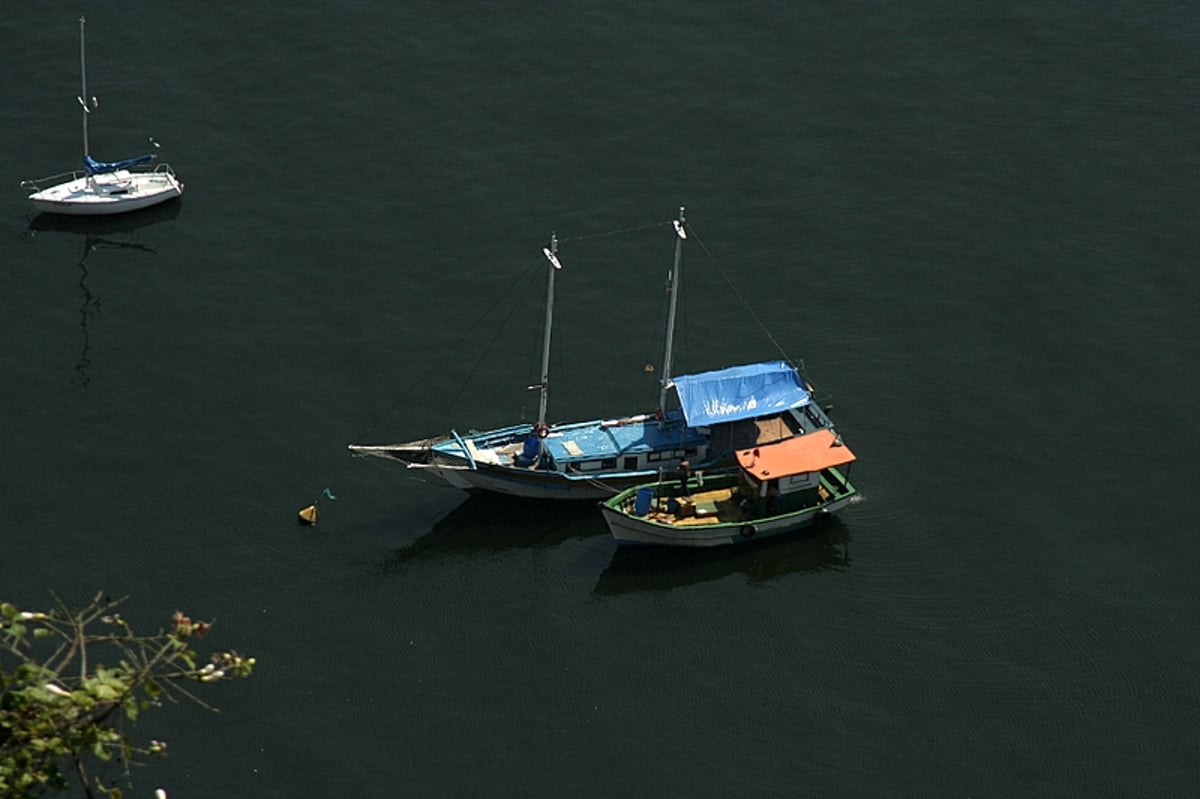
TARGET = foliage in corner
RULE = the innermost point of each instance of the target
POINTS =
(73, 681)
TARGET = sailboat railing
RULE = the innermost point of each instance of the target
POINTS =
(36, 184)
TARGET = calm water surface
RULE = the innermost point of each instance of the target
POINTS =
(974, 225)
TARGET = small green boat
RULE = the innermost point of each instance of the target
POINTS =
(776, 488)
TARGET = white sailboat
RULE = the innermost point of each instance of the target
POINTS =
(103, 187)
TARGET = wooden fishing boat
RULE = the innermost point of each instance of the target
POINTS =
(775, 489)
(717, 412)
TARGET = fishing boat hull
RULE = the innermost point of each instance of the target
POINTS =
(597, 459)
(712, 514)
(108, 193)
(578, 461)
(530, 484)
(719, 410)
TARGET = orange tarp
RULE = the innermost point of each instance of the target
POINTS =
(811, 452)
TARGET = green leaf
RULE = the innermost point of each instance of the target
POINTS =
(52, 717)
(100, 750)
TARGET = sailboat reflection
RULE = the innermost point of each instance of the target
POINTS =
(486, 524)
(100, 232)
(664, 568)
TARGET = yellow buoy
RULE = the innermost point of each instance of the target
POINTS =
(309, 515)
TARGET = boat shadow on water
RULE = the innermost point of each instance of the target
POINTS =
(115, 232)
(491, 523)
(93, 226)
(818, 549)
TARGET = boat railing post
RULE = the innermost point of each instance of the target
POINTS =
(465, 449)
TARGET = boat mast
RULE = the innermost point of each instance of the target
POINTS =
(551, 254)
(674, 289)
(83, 101)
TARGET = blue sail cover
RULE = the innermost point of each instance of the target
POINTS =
(94, 167)
(740, 392)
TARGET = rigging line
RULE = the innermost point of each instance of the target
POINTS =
(534, 361)
(512, 309)
(657, 342)
(740, 296)
(445, 357)
(682, 349)
(557, 378)
(615, 232)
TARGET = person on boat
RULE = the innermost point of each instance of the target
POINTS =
(531, 448)
(773, 498)
(685, 474)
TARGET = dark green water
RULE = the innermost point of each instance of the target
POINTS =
(975, 225)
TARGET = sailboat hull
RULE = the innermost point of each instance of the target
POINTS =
(109, 193)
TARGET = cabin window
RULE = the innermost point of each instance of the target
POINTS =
(631, 464)
(797, 482)
(598, 465)
(665, 455)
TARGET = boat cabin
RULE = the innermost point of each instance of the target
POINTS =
(795, 473)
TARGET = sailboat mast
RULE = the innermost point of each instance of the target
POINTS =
(551, 254)
(83, 98)
(666, 370)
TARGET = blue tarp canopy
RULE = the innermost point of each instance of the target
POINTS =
(95, 167)
(740, 392)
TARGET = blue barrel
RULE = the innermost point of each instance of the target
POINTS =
(644, 497)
